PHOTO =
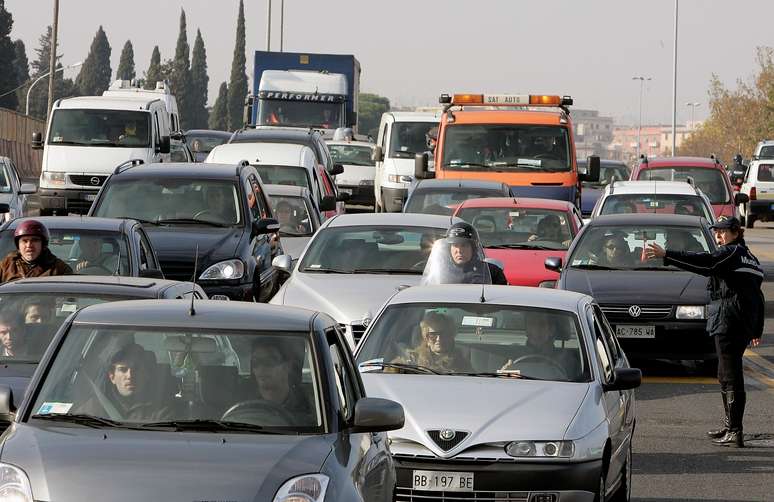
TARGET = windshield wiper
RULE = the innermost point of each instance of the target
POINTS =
(496, 374)
(591, 266)
(415, 368)
(73, 143)
(465, 164)
(79, 418)
(214, 426)
(192, 221)
(384, 271)
(323, 270)
(651, 267)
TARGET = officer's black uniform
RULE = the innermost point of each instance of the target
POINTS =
(735, 317)
(474, 271)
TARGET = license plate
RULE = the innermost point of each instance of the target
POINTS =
(629, 331)
(442, 481)
(90, 197)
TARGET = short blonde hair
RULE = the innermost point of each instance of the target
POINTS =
(439, 322)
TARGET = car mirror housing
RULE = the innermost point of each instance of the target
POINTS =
(328, 203)
(337, 169)
(283, 263)
(741, 198)
(378, 154)
(554, 263)
(591, 173)
(8, 409)
(265, 226)
(37, 141)
(373, 414)
(421, 162)
(152, 273)
(625, 379)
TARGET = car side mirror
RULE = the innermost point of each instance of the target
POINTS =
(164, 145)
(28, 188)
(37, 141)
(554, 263)
(373, 414)
(337, 169)
(177, 135)
(378, 154)
(343, 196)
(328, 203)
(592, 169)
(8, 409)
(283, 263)
(152, 273)
(4, 208)
(265, 226)
(420, 165)
(625, 379)
(741, 198)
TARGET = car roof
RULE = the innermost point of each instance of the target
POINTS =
(286, 190)
(391, 219)
(262, 153)
(129, 102)
(113, 285)
(679, 220)
(498, 295)
(680, 162)
(458, 183)
(651, 187)
(274, 134)
(518, 202)
(209, 314)
(181, 170)
(76, 222)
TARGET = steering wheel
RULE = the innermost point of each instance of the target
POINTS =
(542, 359)
(260, 409)
(203, 211)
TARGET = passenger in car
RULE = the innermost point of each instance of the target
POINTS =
(9, 340)
(615, 252)
(436, 349)
(276, 368)
(549, 228)
(543, 330)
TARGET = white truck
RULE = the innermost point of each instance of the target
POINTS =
(125, 89)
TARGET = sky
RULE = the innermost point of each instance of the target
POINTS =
(413, 50)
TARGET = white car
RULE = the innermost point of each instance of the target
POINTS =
(358, 176)
(758, 187)
(662, 197)
(12, 191)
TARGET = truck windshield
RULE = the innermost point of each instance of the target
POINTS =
(299, 113)
(112, 128)
(495, 147)
(409, 138)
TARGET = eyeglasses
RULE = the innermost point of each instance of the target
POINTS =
(613, 246)
(437, 334)
(265, 362)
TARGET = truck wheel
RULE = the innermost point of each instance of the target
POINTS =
(749, 220)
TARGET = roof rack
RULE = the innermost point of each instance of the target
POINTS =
(125, 166)
(241, 165)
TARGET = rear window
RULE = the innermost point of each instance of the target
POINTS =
(444, 202)
(766, 172)
(691, 205)
(709, 180)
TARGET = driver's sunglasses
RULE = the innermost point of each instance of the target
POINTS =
(265, 362)
(437, 334)
(613, 246)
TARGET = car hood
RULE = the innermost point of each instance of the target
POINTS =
(75, 463)
(345, 297)
(495, 410)
(525, 267)
(294, 246)
(589, 197)
(89, 159)
(175, 245)
(644, 286)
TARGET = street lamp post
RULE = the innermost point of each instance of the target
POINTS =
(693, 109)
(27, 106)
(674, 87)
(639, 123)
(268, 25)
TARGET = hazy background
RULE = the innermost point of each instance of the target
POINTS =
(411, 50)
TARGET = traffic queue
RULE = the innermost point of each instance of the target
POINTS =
(230, 334)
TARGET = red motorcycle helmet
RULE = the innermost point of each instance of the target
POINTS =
(31, 228)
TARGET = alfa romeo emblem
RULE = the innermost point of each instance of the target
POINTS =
(447, 434)
(94, 180)
(635, 311)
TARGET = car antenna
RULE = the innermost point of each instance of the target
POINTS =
(192, 310)
(118, 263)
(483, 298)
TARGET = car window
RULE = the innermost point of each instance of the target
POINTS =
(292, 215)
(256, 199)
(603, 351)
(353, 155)
(444, 201)
(608, 334)
(344, 385)
(5, 179)
(409, 138)
(692, 205)
(284, 175)
(766, 172)
(147, 260)
(516, 228)
(709, 180)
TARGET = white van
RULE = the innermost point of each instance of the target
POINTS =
(401, 136)
(87, 137)
(125, 89)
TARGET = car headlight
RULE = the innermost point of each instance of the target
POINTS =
(306, 488)
(399, 178)
(14, 484)
(550, 449)
(547, 284)
(229, 269)
(691, 312)
(53, 178)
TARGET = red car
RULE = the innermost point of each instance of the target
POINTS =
(708, 174)
(522, 233)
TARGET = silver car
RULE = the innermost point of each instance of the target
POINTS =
(510, 394)
(12, 191)
(356, 261)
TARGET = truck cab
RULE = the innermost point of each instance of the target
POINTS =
(523, 140)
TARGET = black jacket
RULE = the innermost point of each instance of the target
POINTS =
(737, 306)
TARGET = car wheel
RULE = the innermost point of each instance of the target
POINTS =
(624, 492)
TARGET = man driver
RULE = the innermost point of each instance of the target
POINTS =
(32, 258)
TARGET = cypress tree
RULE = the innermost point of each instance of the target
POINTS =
(237, 86)
(94, 77)
(180, 79)
(22, 68)
(125, 69)
(62, 87)
(199, 83)
(219, 115)
(9, 80)
(153, 74)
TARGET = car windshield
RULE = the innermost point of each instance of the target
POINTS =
(373, 250)
(185, 379)
(692, 205)
(113, 128)
(88, 252)
(276, 112)
(608, 173)
(505, 147)
(204, 144)
(172, 200)
(444, 201)
(28, 321)
(621, 246)
(409, 138)
(284, 175)
(709, 180)
(292, 215)
(353, 155)
(527, 228)
(476, 339)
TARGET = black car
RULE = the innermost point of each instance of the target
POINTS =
(202, 141)
(34, 309)
(309, 137)
(219, 211)
(657, 311)
(94, 246)
(443, 196)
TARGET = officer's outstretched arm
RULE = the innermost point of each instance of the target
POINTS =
(702, 263)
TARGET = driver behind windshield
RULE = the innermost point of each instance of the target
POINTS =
(220, 206)
(91, 256)
(288, 225)
(550, 228)
(436, 349)
(542, 331)
(615, 252)
(276, 368)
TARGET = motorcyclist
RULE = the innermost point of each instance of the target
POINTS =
(32, 258)
(459, 259)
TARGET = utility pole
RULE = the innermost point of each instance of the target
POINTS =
(639, 122)
(52, 60)
(268, 26)
(674, 88)
(282, 24)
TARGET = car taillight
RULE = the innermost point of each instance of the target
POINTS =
(753, 193)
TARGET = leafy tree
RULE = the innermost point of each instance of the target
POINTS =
(125, 69)
(199, 83)
(94, 77)
(219, 114)
(22, 68)
(9, 80)
(237, 86)
(63, 87)
(369, 114)
(153, 74)
(180, 77)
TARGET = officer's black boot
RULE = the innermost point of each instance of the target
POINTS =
(735, 436)
(719, 433)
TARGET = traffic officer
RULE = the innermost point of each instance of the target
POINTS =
(459, 259)
(735, 316)
(32, 258)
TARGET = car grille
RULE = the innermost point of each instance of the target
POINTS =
(445, 445)
(409, 495)
(177, 270)
(647, 312)
(86, 180)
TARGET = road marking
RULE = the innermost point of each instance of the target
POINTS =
(753, 372)
(759, 360)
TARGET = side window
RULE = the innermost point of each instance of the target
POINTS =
(383, 142)
(146, 255)
(256, 199)
(157, 132)
(578, 220)
(344, 385)
(609, 335)
(603, 352)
